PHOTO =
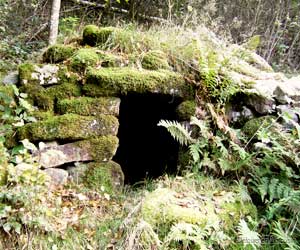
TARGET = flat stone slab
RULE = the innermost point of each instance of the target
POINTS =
(120, 81)
(69, 127)
(102, 149)
(90, 106)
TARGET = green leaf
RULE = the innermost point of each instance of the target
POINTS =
(17, 150)
(28, 145)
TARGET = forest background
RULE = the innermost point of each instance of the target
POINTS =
(274, 25)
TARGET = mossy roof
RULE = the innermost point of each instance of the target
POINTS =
(120, 81)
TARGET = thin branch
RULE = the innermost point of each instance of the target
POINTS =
(118, 10)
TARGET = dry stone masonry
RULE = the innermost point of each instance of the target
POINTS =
(78, 88)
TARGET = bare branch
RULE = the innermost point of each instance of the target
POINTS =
(122, 11)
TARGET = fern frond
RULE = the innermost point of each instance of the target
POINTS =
(186, 234)
(243, 191)
(202, 125)
(285, 237)
(247, 236)
(178, 131)
(195, 152)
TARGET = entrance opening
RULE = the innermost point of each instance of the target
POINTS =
(146, 150)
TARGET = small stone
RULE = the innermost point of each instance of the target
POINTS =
(58, 176)
(262, 104)
(11, 78)
(240, 117)
(288, 111)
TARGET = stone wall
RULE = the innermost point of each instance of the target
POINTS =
(76, 90)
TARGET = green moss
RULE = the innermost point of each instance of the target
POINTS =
(93, 35)
(89, 106)
(120, 81)
(155, 60)
(69, 127)
(63, 91)
(231, 213)
(38, 96)
(45, 75)
(7, 95)
(252, 126)
(10, 139)
(58, 53)
(109, 60)
(161, 209)
(185, 110)
(83, 58)
(45, 98)
(66, 76)
(25, 73)
(42, 115)
(105, 175)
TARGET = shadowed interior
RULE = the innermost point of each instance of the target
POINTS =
(146, 150)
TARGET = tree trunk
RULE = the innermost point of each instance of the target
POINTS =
(54, 21)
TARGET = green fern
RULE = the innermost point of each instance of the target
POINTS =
(178, 131)
(185, 235)
(285, 236)
(248, 236)
(272, 188)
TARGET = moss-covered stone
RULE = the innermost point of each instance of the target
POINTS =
(42, 115)
(185, 110)
(104, 175)
(7, 95)
(46, 75)
(252, 126)
(89, 106)
(69, 127)
(93, 35)
(63, 91)
(83, 58)
(155, 60)
(45, 98)
(25, 73)
(38, 96)
(120, 81)
(58, 53)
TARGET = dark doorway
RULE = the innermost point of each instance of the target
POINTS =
(145, 149)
